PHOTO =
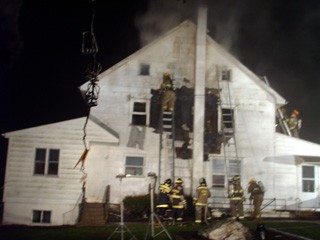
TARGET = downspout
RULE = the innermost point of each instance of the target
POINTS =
(199, 95)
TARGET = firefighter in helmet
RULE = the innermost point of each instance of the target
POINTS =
(201, 202)
(294, 123)
(178, 202)
(256, 196)
(164, 203)
(168, 93)
(236, 196)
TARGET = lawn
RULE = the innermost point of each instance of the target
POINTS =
(88, 233)
(306, 229)
(302, 228)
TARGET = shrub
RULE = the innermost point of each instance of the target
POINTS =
(137, 206)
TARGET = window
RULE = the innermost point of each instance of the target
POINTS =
(227, 118)
(40, 216)
(308, 178)
(226, 75)
(134, 166)
(46, 161)
(144, 69)
(220, 169)
(139, 113)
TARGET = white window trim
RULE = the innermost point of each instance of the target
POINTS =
(226, 69)
(147, 113)
(46, 163)
(143, 165)
(225, 173)
(312, 179)
(41, 216)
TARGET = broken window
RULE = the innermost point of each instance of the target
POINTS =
(211, 138)
(139, 113)
(46, 161)
(134, 165)
(144, 69)
(308, 178)
(227, 118)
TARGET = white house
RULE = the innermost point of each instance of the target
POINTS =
(43, 186)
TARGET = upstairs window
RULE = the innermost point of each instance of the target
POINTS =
(144, 69)
(308, 179)
(134, 165)
(40, 216)
(139, 114)
(226, 75)
(46, 161)
(227, 118)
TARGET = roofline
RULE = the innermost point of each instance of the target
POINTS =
(104, 126)
(279, 99)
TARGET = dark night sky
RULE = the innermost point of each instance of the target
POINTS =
(41, 64)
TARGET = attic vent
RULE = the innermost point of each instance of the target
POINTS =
(144, 69)
(226, 75)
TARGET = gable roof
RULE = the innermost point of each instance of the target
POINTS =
(286, 145)
(72, 129)
(279, 100)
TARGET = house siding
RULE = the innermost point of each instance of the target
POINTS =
(25, 191)
(264, 154)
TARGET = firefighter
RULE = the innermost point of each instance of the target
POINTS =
(256, 196)
(168, 93)
(236, 195)
(201, 202)
(164, 203)
(178, 202)
(294, 123)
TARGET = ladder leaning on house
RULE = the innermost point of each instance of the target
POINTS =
(167, 138)
(230, 150)
(279, 114)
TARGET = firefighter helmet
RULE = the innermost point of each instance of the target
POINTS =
(252, 180)
(202, 181)
(295, 112)
(236, 177)
(168, 181)
(179, 181)
(166, 75)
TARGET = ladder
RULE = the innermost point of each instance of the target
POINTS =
(167, 139)
(279, 114)
(230, 150)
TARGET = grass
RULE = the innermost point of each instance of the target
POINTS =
(88, 233)
(302, 228)
(305, 229)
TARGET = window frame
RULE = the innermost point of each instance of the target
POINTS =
(144, 69)
(132, 166)
(226, 74)
(50, 162)
(41, 216)
(224, 172)
(137, 113)
(308, 179)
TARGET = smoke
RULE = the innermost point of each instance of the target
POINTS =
(10, 40)
(161, 16)
(224, 19)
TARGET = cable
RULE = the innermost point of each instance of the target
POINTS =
(90, 47)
